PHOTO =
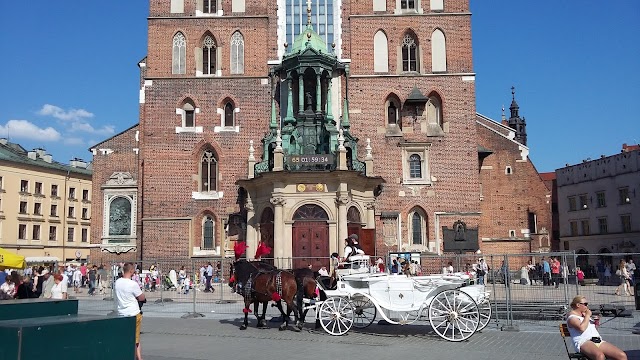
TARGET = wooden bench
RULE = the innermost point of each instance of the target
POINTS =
(564, 332)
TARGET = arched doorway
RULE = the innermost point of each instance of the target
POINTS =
(266, 232)
(310, 237)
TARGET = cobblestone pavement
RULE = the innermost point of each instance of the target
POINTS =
(190, 339)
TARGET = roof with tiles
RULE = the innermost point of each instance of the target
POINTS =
(15, 153)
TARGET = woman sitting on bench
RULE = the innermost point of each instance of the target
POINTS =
(586, 337)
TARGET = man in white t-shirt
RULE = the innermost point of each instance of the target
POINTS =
(128, 294)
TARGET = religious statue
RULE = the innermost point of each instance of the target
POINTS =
(309, 101)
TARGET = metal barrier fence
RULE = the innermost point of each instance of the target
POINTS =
(522, 293)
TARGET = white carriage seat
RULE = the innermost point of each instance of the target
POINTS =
(357, 264)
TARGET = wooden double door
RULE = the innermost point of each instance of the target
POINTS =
(310, 244)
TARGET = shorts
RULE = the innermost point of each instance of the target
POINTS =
(138, 327)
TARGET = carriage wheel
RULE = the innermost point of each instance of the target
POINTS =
(364, 312)
(484, 309)
(454, 315)
(336, 315)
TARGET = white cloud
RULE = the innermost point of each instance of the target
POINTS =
(88, 128)
(61, 114)
(73, 141)
(27, 130)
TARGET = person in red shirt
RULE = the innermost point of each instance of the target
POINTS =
(555, 271)
(83, 271)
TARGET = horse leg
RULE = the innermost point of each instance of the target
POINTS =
(294, 306)
(285, 317)
(263, 322)
(246, 316)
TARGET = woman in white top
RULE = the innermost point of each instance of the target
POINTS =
(58, 291)
(585, 336)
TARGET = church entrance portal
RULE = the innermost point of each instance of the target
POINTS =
(310, 237)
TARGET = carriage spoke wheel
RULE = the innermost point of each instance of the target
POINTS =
(336, 315)
(454, 315)
(364, 312)
(484, 309)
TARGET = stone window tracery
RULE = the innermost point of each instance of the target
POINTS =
(409, 53)
(237, 53)
(208, 172)
(179, 58)
(209, 56)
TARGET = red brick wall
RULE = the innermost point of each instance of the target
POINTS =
(507, 199)
(122, 159)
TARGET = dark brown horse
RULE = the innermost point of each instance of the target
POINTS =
(306, 282)
(259, 282)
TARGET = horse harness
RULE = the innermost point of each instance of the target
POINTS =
(249, 287)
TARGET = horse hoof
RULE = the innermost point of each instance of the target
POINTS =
(243, 327)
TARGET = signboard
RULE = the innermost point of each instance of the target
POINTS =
(313, 159)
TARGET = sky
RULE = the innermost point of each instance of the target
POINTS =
(69, 76)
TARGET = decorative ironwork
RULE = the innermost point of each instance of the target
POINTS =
(310, 212)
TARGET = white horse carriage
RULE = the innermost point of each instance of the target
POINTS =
(455, 311)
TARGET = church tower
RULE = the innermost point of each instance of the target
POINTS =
(515, 122)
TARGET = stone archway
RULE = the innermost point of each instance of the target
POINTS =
(310, 237)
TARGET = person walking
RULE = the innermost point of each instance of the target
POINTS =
(208, 275)
(92, 276)
(481, 270)
(555, 272)
(128, 296)
(623, 274)
(631, 269)
(546, 272)
(47, 284)
(600, 268)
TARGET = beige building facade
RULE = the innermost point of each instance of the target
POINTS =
(45, 206)
(598, 204)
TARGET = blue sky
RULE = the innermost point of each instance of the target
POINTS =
(69, 76)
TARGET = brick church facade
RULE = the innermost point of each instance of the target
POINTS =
(297, 123)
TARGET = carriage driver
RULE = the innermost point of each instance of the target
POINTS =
(351, 247)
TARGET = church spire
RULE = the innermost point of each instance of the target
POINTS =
(308, 12)
(515, 122)
(514, 105)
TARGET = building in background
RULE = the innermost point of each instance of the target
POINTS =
(296, 124)
(599, 204)
(515, 201)
(45, 206)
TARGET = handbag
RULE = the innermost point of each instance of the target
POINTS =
(618, 272)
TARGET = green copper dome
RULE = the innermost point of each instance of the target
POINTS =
(308, 38)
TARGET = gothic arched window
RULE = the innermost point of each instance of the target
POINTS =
(409, 53)
(237, 53)
(179, 57)
(209, 56)
(208, 172)
(229, 116)
(392, 114)
(380, 52)
(208, 234)
(438, 51)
